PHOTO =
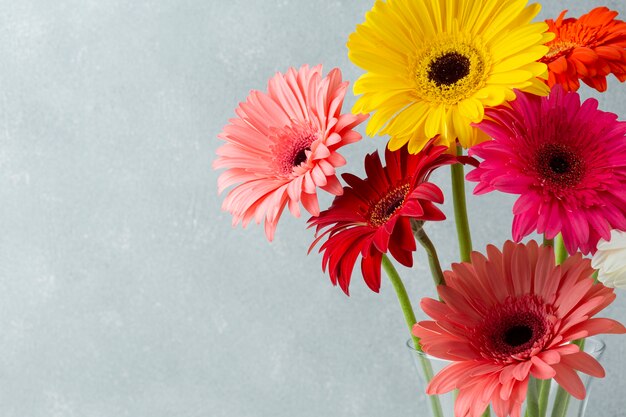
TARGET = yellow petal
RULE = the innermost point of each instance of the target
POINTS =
(504, 18)
(416, 143)
(408, 120)
(433, 122)
(537, 87)
(514, 15)
(462, 127)
(492, 95)
(512, 47)
(510, 77)
(472, 109)
(517, 61)
(396, 142)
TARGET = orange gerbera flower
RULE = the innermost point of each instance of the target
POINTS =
(588, 48)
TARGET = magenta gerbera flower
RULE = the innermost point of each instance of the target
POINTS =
(567, 162)
(373, 215)
(283, 146)
(509, 316)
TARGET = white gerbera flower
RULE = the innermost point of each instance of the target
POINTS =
(610, 260)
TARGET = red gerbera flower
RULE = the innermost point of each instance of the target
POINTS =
(509, 316)
(373, 214)
(588, 48)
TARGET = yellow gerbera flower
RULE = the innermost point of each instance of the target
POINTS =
(434, 65)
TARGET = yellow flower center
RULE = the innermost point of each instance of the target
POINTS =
(558, 48)
(450, 69)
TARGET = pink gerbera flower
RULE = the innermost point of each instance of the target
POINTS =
(509, 316)
(283, 146)
(567, 162)
(373, 215)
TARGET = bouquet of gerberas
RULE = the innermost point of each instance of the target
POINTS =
(443, 76)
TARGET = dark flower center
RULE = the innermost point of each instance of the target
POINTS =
(514, 329)
(517, 332)
(290, 147)
(300, 157)
(559, 165)
(387, 206)
(518, 335)
(448, 69)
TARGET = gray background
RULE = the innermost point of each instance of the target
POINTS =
(124, 291)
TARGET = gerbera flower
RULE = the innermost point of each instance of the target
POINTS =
(566, 160)
(610, 260)
(588, 48)
(283, 146)
(433, 66)
(373, 215)
(509, 316)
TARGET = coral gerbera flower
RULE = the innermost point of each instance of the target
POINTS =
(373, 215)
(433, 66)
(283, 146)
(509, 316)
(588, 48)
(567, 162)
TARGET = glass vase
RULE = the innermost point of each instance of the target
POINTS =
(558, 403)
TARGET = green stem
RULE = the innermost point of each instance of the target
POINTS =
(561, 401)
(487, 412)
(560, 252)
(544, 395)
(580, 343)
(595, 277)
(403, 298)
(548, 242)
(409, 317)
(460, 209)
(427, 244)
(532, 398)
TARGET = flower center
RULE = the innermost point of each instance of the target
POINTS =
(290, 148)
(518, 335)
(388, 205)
(559, 166)
(300, 157)
(557, 49)
(449, 68)
(514, 330)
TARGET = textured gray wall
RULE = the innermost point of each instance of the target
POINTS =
(123, 289)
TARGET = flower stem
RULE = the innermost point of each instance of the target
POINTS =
(460, 209)
(433, 259)
(561, 401)
(544, 394)
(487, 412)
(403, 298)
(559, 249)
(532, 398)
(409, 317)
